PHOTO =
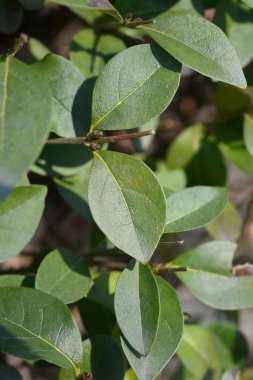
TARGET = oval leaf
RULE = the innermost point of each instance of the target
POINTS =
(11, 280)
(95, 5)
(25, 115)
(125, 188)
(65, 275)
(198, 44)
(170, 331)
(248, 133)
(131, 78)
(137, 306)
(208, 277)
(20, 214)
(194, 207)
(34, 325)
(90, 51)
(65, 82)
(11, 16)
(102, 358)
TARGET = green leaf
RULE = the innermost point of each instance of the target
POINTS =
(231, 100)
(11, 16)
(194, 207)
(171, 180)
(199, 352)
(65, 275)
(34, 325)
(231, 142)
(248, 133)
(20, 214)
(25, 118)
(11, 280)
(103, 290)
(192, 40)
(8, 373)
(170, 331)
(95, 5)
(249, 2)
(236, 20)
(227, 226)
(74, 191)
(131, 78)
(37, 49)
(137, 306)
(32, 4)
(102, 357)
(150, 8)
(208, 276)
(90, 51)
(67, 88)
(127, 203)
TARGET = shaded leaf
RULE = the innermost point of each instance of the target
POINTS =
(170, 331)
(194, 207)
(32, 4)
(66, 84)
(95, 5)
(27, 329)
(231, 100)
(65, 275)
(25, 204)
(126, 188)
(8, 373)
(209, 279)
(24, 121)
(176, 32)
(248, 133)
(131, 78)
(137, 306)
(102, 358)
(11, 16)
(90, 51)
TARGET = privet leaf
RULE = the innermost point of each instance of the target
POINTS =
(90, 51)
(95, 5)
(11, 280)
(208, 276)
(66, 84)
(20, 214)
(200, 347)
(25, 115)
(8, 373)
(127, 203)
(137, 306)
(34, 325)
(248, 133)
(231, 100)
(198, 44)
(131, 78)
(170, 331)
(11, 16)
(102, 357)
(194, 207)
(65, 275)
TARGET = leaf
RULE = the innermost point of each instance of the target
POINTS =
(34, 325)
(227, 226)
(249, 2)
(209, 276)
(231, 100)
(8, 373)
(194, 207)
(170, 331)
(192, 40)
(231, 143)
(171, 180)
(200, 347)
(137, 306)
(236, 20)
(11, 280)
(248, 133)
(150, 8)
(32, 4)
(67, 88)
(131, 78)
(64, 275)
(74, 191)
(102, 357)
(11, 16)
(90, 51)
(25, 204)
(24, 121)
(127, 203)
(103, 290)
(37, 49)
(95, 5)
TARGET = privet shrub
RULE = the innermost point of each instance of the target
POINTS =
(49, 107)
